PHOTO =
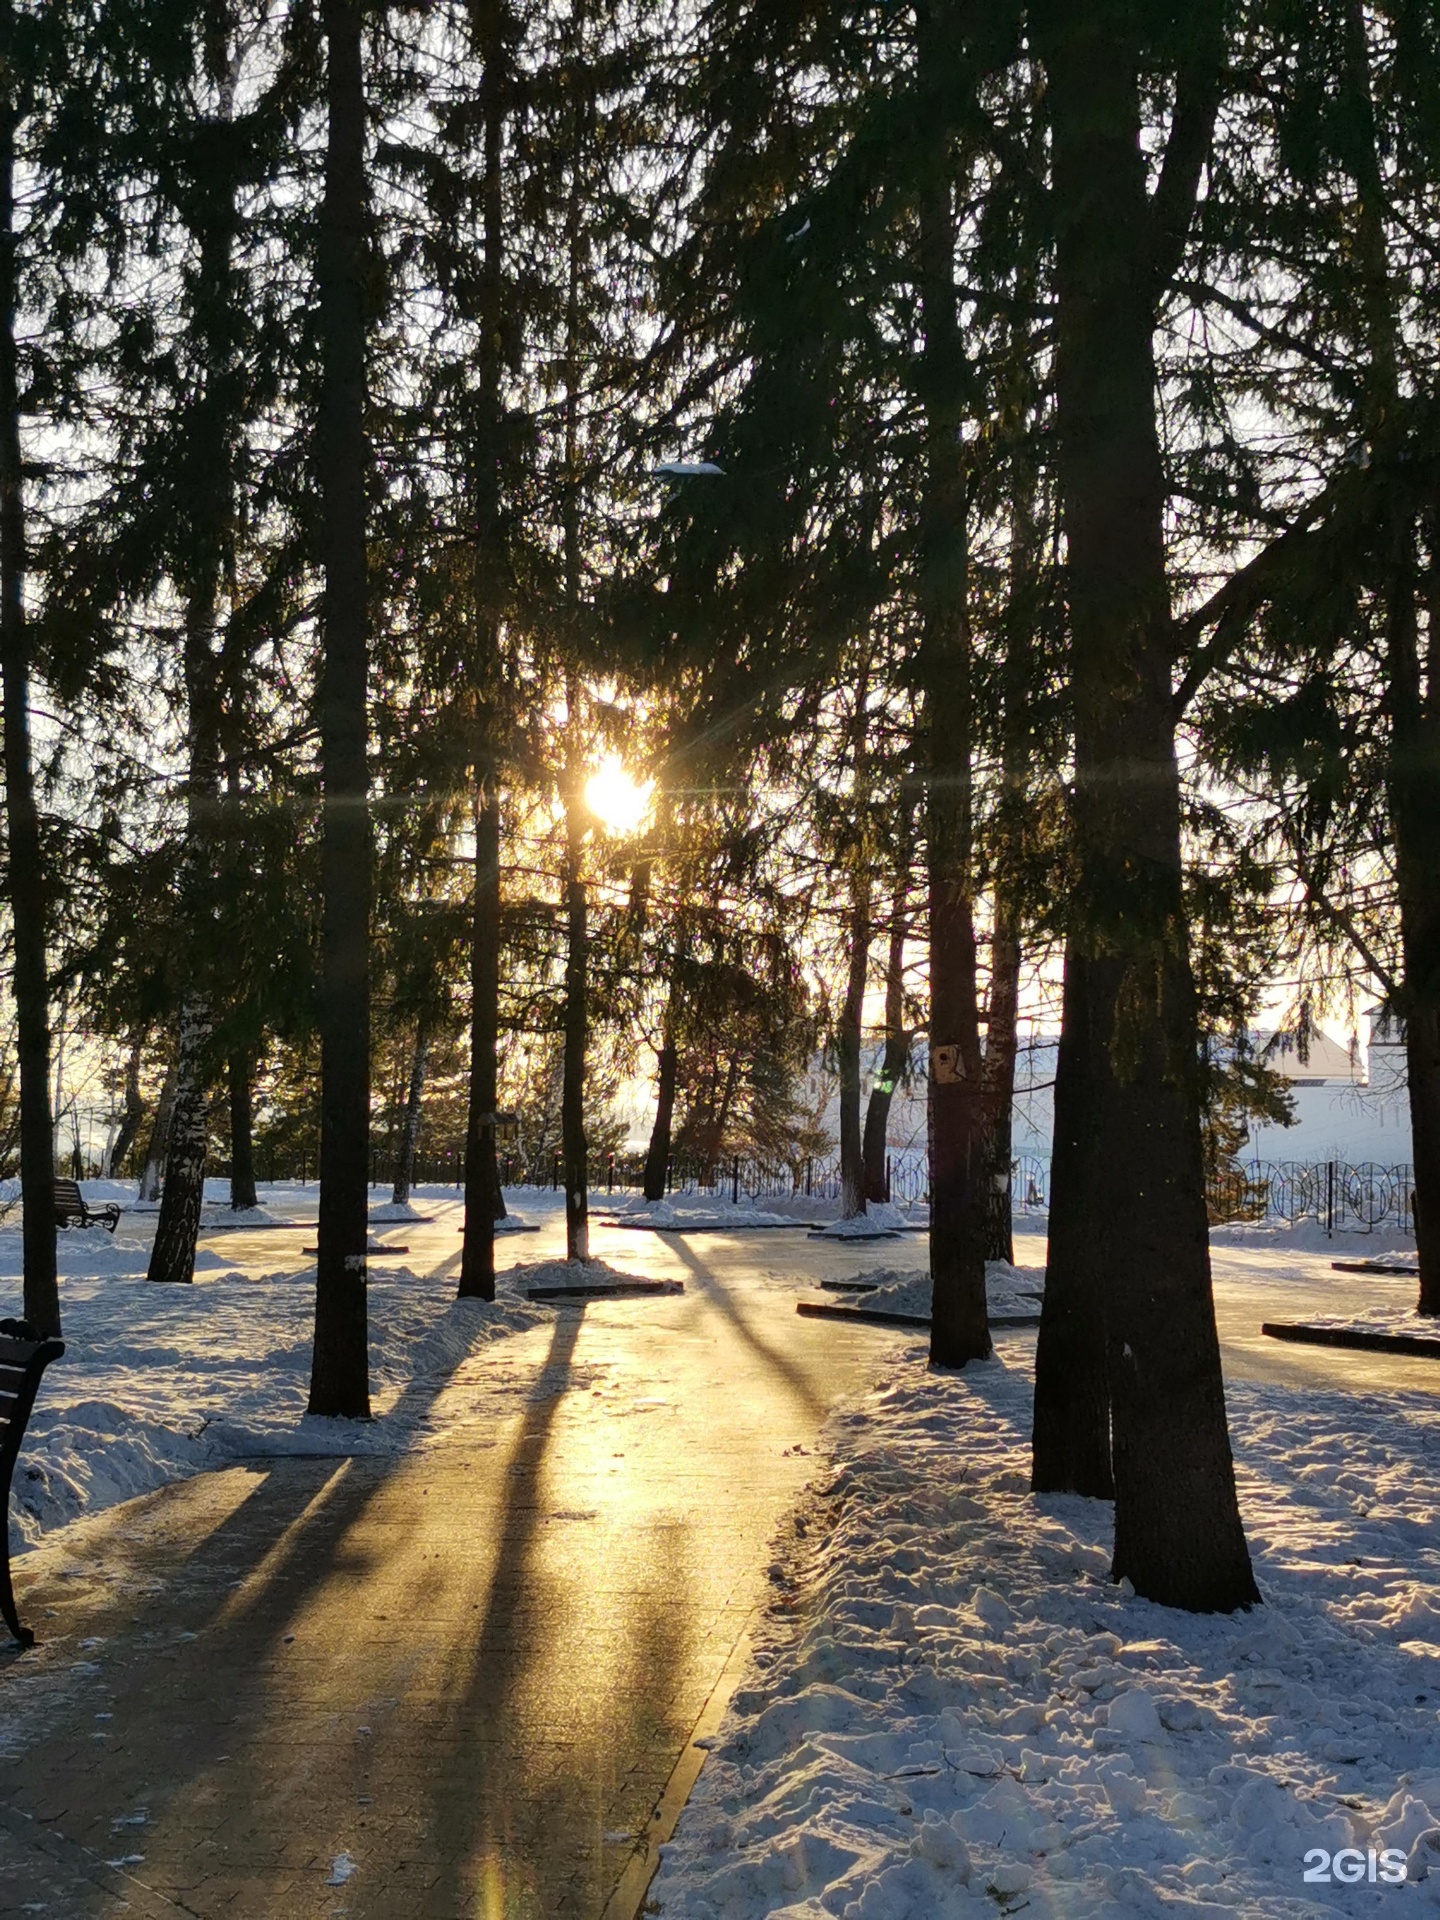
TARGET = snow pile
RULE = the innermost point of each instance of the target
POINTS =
(1007, 1289)
(1348, 1242)
(693, 1212)
(953, 1712)
(235, 1219)
(1386, 1320)
(395, 1210)
(160, 1382)
(582, 1273)
(879, 1217)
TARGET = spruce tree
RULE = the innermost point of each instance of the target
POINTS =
(339, 1377)
(1128, 1174)
(25, 876)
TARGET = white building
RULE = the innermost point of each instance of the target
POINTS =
(1351, 1103)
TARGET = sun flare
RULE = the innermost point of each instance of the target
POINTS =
(618, 802)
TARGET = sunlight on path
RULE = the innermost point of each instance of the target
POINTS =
(470, 1670)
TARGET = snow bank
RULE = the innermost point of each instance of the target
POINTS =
(395, 1210)
(236, 1219)
(877, 1218)
(952, 1712)
(904, 1290)
(92, 1253)
(579, 1273)
(160, 1382)
(1388, 1320)
(1309, 1236)
(693, 1212)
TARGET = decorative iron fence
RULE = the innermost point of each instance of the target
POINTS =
(1337, 1196)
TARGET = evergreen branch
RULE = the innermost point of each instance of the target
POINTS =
(1344, 921)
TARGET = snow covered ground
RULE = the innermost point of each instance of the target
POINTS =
(160, 1382)
(691, 1212)
(952, 1711)
(1309, 1236)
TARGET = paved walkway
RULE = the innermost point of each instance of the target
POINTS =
(471, 1671)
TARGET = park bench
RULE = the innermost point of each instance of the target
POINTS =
(71, 1210)
(24, 1356)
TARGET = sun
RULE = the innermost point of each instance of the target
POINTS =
(618, 802)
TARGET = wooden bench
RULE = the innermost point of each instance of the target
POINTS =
(71, 1210)
(24, 1356)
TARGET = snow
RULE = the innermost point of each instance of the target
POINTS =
(91, 1252)
(878, 1218)
(951, 1710)
(342, 1868)
(1309, 1236)
(1386, 1320)
(160, 1382)
(579, 1273)
(235, 1219)
(699, 1212)
(1007, 1289)
(396, 1210)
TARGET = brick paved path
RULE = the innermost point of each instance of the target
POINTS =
(470, 1670)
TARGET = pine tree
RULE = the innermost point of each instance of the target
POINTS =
(1128, 1171)
(339, 1379)
(25, 866)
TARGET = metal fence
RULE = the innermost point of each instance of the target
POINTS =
(738, 1177)
(1337, 1196)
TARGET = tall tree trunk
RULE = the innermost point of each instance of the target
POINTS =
(657, 1158)
(1071, 1437)
(242, 1131)
(410, 1129)
(849, 1037)
(172, 1257)
(154, 1167)
(25, 871)
(339, 1375)
(719, 1121)
(1413, 771)
(203, 537)
(489, 25)
(500, 1208)
(577, 933)
(1017, 757)
(998, 1073)
(896, 1057)
(849, 1034)
(959, 1322)
(1130, 1074)
(1416, 795)
(477, 1264)
(133, 1116)
(572, 1097)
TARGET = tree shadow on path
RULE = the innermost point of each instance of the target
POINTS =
(788, 1370)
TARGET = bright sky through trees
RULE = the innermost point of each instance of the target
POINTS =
(619, 802)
